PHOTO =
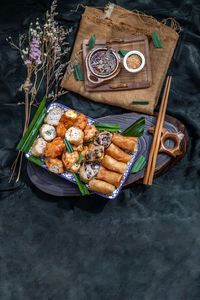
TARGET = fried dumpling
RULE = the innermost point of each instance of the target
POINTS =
(89, 132)
(74, 135)
(38, 147)
(104, 138)
(54, 165)
(75, 168)
(88, 171)
(94, 152)
(69, 159)
(53, 116)
(48, 132)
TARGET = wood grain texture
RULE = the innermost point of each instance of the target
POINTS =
(124, 80)
(54, 185)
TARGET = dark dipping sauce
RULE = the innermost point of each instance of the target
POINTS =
(103, 62)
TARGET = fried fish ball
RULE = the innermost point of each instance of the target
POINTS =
(38, 147)
(61, 130)
(89, 132)
(66, 121)
(48, 132)
(104, 138)
(75, 168)
(69, 159)
(74, 135)
(55, 148)
(53, 116)
(94, 152)
(88, 171)
(54, 165)
(81, 121)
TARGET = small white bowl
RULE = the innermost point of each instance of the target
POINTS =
(129, 54)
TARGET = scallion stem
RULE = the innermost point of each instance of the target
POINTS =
(107, 125)
(32, 124)
(82, 187)
(34, 132)
(68, 146)
(36, 160)
(80, 158)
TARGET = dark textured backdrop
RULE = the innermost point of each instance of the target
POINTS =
(143, 245)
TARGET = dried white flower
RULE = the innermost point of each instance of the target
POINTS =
(52, 50)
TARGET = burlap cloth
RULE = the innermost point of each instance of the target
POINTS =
(117, 22)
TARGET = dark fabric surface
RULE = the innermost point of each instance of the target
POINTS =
(143, 245)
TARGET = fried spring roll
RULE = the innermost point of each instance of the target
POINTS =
(101, 187)
(113, 165)
(109, 176)
(115, 152)
(125, 142)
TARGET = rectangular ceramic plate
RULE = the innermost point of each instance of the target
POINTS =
(69, 176)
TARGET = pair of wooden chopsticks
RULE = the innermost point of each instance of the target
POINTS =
(148, 178)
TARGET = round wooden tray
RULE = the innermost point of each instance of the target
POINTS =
(57, 186)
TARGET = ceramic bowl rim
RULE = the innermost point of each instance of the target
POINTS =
(129, 54)
(103, 48)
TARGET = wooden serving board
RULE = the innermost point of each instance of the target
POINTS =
(124, 80)
(57, 186)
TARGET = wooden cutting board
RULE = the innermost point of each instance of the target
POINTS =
(57, 186)
(124, 80)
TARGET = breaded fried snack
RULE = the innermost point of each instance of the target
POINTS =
(113, 164)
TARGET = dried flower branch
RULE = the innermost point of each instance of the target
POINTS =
(43, 51)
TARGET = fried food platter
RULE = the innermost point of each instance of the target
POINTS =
(107, 160)
(57, 186)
